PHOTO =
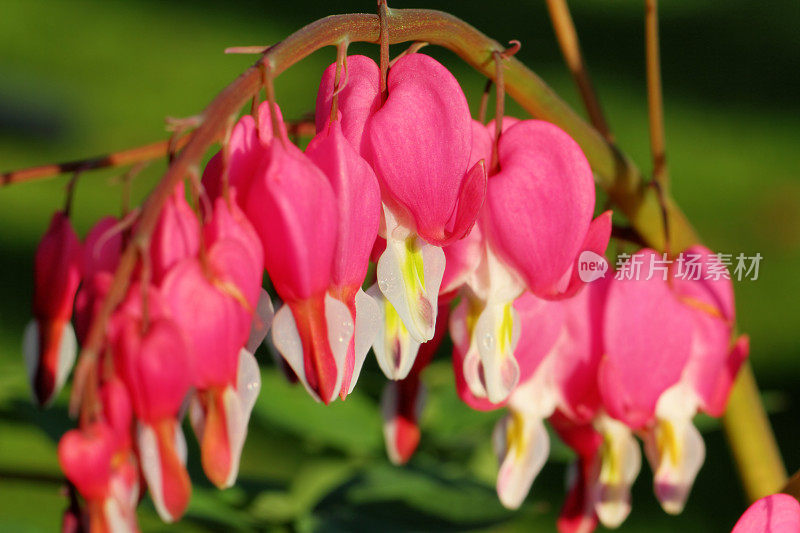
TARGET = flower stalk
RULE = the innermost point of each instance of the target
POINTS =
(571, 50)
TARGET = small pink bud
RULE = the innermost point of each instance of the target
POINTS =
(49, 343)
(85, 457)
(176, 235)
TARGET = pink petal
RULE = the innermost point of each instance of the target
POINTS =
(777, 513)
(85, 457)
(117, 410)
(359, 98)
(540, 204)
(507, 123)
(88, 301)
(541, 324)
(482, 145)
(578, 356)
(102, 248)
(712, 367)
(358, 200)
(647, 332)
(717, 399)
(214, 322)
(157, 384)
(176, 235)
(265, 129)
(716, 292)
(596, 241)
(56, 270)
(470, 201)
(245, 152)
(419, 145)
(461, 260)
(293, 209)
(243, 262)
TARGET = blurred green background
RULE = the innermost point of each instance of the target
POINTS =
(82, 78)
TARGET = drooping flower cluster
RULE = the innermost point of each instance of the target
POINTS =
(472, 231)
(623, 357)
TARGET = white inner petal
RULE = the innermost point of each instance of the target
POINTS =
(522, 446)
(496, 336)
(340, 332)
(368, 319)
(409, 274)
(395, 349)
(30, 350)
(262, 320)
(621, 462)
(286, 340)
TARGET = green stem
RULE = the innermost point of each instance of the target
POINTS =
(614, 172)
(751, 440)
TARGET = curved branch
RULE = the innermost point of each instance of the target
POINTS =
(115, 159)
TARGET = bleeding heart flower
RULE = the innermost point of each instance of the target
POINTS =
(673, 445)
(219, 417)
(539, 206)
(247, 150)
(293, 208)
(402, 401)
(777, 513)
(99, 461)
(213, 302)
(647, 332)
(229, 223)
(85, 458)
(358, 203)
(176, 235)
(491, 369)
(102, 248)
(418, 143)
(358, 98)
(101, 252)
(49, 344)
(560, 351)
(578, 514)
(151, 358)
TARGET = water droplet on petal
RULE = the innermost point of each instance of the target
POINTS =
(488, 341)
